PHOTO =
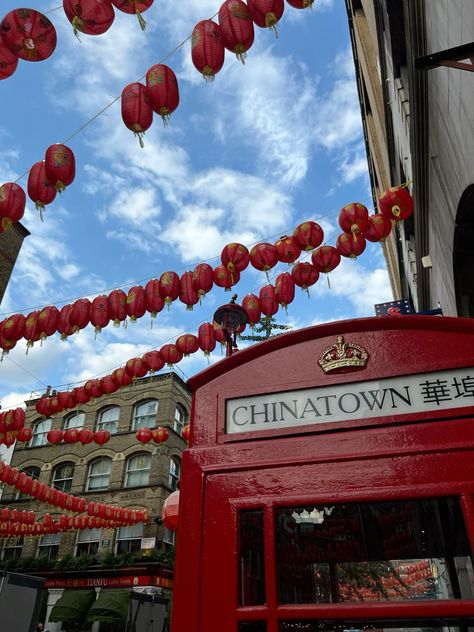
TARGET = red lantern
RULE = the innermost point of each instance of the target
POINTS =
(13, 328)
(80, 395)
(326, 259)
(284, 289)
(153, 301)
(12, 197)
(263, 256)
(80, 314)
(207, 49)
(101, 437)
(107, 385)
(266, 13)
(187, 294)
(170, 511)
(267, 301)
(162, 90)
(206, 338)
(136, 111)
(169, 287)
(219, 333)
(160, 435)
(237, 30)
(92, 387)
(308, 235)
(54, 436)
(40, 190)
(71, 435)
(54, 406)
(92, 17)
(170, 354)
(353, 218)
(117, 306)
(60, 166)
(235, 257)
(100, 313)
(18, 421)
(5, 345)
(252, 307)
(224, 278)
(186, 432)
(144, 435)
(121, 377)
(304, 275)
(350, 246)
(136, 368)
(85, 436)
(396, 203)
(187, 344)
(8, 62)
(134, 6)
(48, 320)
(153, 361)
(135, 302)
(287, 249)
(301, 4)
(25, 434)
(203, 279)
(378, 228)
(28, 34)
(32, 333)
(64, 325)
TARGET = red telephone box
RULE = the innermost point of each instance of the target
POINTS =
(329, 482)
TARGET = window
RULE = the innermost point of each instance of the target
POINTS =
(49, 545)
(138, 470)
(33, 472)
(40, 430)
(63, 475)
(144, 414)
(179, 418)
(252, 559)
(12, 547)
(108, 419)
(74, 421)
(129, 538)
(169, 537)
(99, 474)
(175, 471)
(87, 542)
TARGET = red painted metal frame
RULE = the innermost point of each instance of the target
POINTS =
(417, 456)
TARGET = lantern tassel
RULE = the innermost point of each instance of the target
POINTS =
(329, 283)
(77, 26)
(39, 207)
(141, 21)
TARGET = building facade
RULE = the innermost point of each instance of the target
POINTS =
(419, 128)
(10, 245)
(123, 472)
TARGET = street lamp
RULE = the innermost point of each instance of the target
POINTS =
(231, 316)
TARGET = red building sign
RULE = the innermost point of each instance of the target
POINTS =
(329, 482)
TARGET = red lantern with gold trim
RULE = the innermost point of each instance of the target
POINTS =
(101, 437)
(71, 435)
(160, 435)
(162, 90)
(60, 166)
(92, 17)
(136, 7)
(206, 338)
(135, 302)
(378, 228)
(236, 27)
(85, 436)
(350, 246)
(153, 361)
(224, 278)
(32, 328)
(287, 249)
(136, 110)
(121, 377)
(153, 301)
(266, 13)
(107, 385)
(187, 294)
(235, 257)
(8, 62)
(40, 189)
(284, 289)
(170, 354)
(251, 305)
(304, 275)
(66, 399)
(219, 333)
(187, 344)
(308, 235)
(186, 432)
(353, 218)
(396, 203)
(48, 320)
(144, 435)
(80, 314)
(267, 300)
(5, 344)
(80, 395)
(117, 306)
(203, 279)
(93, 388)
(28, 34)
(13, 328)
(25, 434)
(100, 313)
(64, 326)
(207, 49)
(301, 4)
(12, 199)
(136, 368)
(169, 287)
(326, 259)
(264, 256)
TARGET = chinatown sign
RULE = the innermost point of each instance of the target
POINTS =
(420, 393)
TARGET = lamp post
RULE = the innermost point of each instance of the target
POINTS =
(231, 316)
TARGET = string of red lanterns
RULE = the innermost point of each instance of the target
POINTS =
(358, 226)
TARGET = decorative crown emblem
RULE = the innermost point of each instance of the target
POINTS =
(342, 357)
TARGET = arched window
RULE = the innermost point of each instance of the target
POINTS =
(179, 418)
(463, 254)
(108, 419)
(144, 414)
(63, 475)
(33, 472)
(87, 542)
(99, 474)
(129, 538)
(138, 470)
(175, 471)
(49, 545)
(12, 547)
(76, 420)
(40, 430)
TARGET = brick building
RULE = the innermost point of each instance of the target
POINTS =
(122, 472)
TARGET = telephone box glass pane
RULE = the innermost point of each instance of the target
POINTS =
(252, 562)
(253, 626)
(414, 625)
(390, 551)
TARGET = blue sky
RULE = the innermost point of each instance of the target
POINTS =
(245, 158)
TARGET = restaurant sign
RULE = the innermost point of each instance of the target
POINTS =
(125, 581)
(405, 395)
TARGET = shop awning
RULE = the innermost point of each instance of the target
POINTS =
(73, 606)
(111, 607)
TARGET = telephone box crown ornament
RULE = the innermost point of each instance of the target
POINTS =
(343, 357)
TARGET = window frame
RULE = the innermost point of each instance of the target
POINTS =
(23, 495)
(129, 471)
(43, 441)
(150, 417)
(180, 417)
(89, 542)
(94, 462)
(174, 476)
(19, 542)
(76, 415)
(50, 546)
(63, 488)
(129, 540)
(110, 425)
